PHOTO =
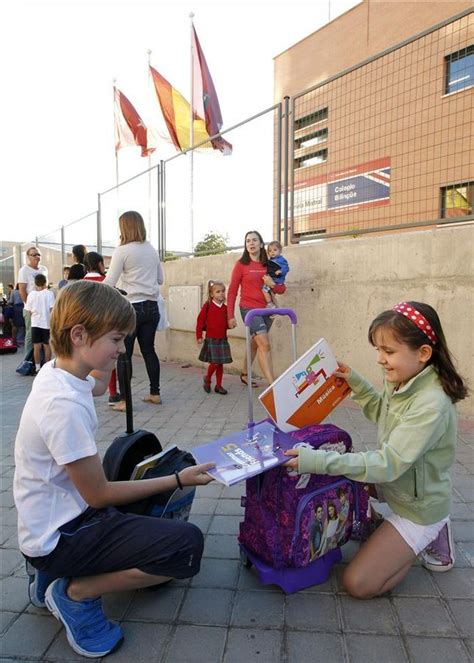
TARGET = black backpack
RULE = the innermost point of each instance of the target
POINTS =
(120, 460)
(133, 447)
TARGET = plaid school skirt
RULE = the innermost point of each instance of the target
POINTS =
(215, 351)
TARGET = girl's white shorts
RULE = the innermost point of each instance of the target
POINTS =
(416, 536)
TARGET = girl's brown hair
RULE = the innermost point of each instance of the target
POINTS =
(210, 286)
(132, 228)
(98, 307)
(405, 331)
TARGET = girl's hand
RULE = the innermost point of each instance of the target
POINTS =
(200, 340)
(196, 475)
(342, 371)
(293, 463)
(232, 323)
(268, 281)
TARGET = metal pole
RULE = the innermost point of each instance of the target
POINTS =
(163, 206)
(285, 170)
(63, 248)
(99, 225)
(278, 174)
(191, 139)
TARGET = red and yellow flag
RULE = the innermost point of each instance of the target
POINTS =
(176, 111)
(130, 129)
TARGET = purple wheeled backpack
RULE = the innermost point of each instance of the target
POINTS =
(294, 525)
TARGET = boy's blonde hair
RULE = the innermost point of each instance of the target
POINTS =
(132, 227)
(98, 307)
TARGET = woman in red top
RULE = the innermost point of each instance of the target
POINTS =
(249, 273)
(213, 320)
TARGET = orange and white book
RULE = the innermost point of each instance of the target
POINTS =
(307, 392)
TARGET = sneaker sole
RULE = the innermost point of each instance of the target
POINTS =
(53, 608)
(33, 596)
(437, 568)
(32, 587)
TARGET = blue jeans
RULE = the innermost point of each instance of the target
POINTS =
(148, 317)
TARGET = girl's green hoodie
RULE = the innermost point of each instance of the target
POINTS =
(417, 428)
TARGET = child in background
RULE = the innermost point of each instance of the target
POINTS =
(277, 269)
(94, 264)
(417, 435)
(63, 281)
(213, 320)
(69, 530)
(95, 271)
(39, 303)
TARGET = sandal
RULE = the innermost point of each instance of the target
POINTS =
(243, 379)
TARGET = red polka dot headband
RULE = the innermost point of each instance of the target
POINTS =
(417, 318)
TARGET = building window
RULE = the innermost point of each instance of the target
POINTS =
(311, 159)
(311, 139)
(457, 200)
(459, 70)
(312, 118)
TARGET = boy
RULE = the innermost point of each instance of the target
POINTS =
(68, 529)
(277, 269)
(63, 281)
(39, 304)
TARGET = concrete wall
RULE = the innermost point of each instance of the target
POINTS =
(337, 287)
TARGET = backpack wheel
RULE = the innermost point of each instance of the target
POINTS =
(245, 559)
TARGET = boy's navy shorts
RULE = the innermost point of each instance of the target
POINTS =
(107, 540)
(39, 335)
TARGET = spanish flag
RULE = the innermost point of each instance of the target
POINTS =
(176, 111)
(129, 127)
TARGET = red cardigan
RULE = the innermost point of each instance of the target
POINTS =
(250, 279)
(213, 319)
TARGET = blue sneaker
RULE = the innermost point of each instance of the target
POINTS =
(88, 630)
(38, 581)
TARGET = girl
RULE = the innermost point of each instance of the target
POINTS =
(249, 274)
(95, 271)
(213, 320)
(94, 264)
(417, 436)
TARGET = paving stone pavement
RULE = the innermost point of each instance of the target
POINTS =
(224, 614)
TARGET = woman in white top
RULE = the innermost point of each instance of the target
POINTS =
(136, 267)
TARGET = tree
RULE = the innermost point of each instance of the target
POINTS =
(212, 244)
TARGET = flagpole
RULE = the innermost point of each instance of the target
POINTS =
(114, 81)
(149, 163)
(191, 138)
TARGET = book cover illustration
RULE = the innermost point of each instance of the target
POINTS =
(307, 391)
(245, 454)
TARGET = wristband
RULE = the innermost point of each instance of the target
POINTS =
(178, 480)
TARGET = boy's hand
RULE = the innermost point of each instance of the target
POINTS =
(268, 281)
(196, 475)
(232, 323)
(342, 371)
(293, 463)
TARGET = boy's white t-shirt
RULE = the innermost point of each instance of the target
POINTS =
(40, 303)
(58, 426)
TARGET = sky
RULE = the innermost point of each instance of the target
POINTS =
(59, 61)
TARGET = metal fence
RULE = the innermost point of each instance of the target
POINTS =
(384, 145)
